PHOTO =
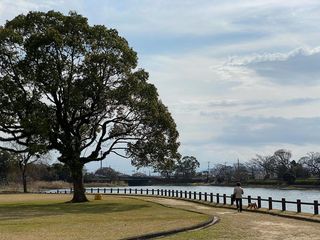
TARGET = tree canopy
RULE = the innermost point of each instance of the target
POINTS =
(75, 88)
(187, 166)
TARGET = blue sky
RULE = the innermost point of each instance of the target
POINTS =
(240, 77)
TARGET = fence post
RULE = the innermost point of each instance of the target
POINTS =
(218, 198)
(224, 199)
(161, 192)
(181, 194)
(91, 190)
(185, 194)
(104, 190)
(147, 191)
(200, 196)
(158, 191)
(125, 191)
(141, 191)
(249, 199)
(130, 190)
(57, 190)
(110, 190)
(152, 191)
(118, 190)
(169, 193)
(211, 197)
(189, 194)
(98, 191)
(316, 207)
(177, 193)
(194, 195)
(205, 196)
(270, 203)
(259, 202)
(165, 192)
(136, 191)
(283, 201)
(298, 205)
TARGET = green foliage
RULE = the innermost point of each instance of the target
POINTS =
(72, 87)
(289, 177)
(107, 172)
(308, 181)
(187, 166)
(57, 172)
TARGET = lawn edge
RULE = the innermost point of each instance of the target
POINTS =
(211, 221)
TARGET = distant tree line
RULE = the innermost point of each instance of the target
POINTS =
(280, 166)
(185, 167)
(21, 168)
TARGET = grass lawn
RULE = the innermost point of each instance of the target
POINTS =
(33, 217)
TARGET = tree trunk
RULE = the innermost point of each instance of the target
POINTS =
(78, 186)
(24, 182)
(23, 170)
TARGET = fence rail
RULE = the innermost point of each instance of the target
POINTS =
(206, 197)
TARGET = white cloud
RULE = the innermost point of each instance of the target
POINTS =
(271, 57)
(300, 66)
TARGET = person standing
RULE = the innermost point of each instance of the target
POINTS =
(238, 191)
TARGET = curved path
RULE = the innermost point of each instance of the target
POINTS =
(246, 225)
(202, 225)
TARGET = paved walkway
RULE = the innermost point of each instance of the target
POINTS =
(245, 225)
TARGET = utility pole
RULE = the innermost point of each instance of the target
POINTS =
(238, 170)
(208, 171)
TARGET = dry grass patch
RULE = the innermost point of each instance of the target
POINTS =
(245, 225)
(33, 217)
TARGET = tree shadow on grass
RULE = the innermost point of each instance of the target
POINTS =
(22, 211)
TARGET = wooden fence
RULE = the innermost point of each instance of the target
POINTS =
(206, 197)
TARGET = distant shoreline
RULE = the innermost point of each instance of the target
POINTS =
(275, 186)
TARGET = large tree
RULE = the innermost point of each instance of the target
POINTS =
(265, 164)
(75, 88)
(312, 161)
(282, 161)
(187, 166)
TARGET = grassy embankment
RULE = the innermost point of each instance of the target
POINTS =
(31, 216)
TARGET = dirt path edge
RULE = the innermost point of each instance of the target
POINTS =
(211, 221)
